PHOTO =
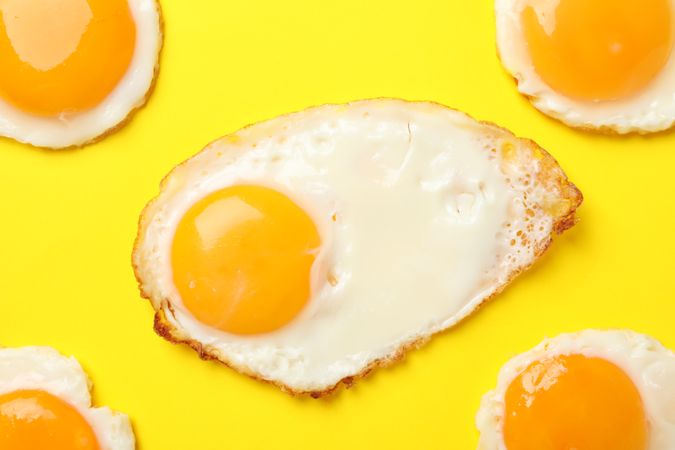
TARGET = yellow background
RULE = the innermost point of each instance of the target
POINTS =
(69, 219)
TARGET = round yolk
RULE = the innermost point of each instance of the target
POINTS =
(31, 420)
(574, 402)
(63, 56)
(242, 259)
(598, 49)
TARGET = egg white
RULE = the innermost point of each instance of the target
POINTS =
(650, 110)
(649, 365)
(427, 217)
(43, 368)
(130, 93)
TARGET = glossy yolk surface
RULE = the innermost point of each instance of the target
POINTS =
(574, 402)
(31, 420)
(242, 259)
(63, 56)
(598, 49)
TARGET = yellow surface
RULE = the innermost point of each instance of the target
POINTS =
(69, 219)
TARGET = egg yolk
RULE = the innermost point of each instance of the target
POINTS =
(574, 402)
(63, 56)
(242, 259)
(31, 420)
(598, 49)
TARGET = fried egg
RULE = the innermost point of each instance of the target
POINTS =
(594, 64)
(74, 70)
(586, 391)
(311, 248)
(45, 404)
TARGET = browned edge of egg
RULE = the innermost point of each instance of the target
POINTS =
(132, 112)
(550, 172)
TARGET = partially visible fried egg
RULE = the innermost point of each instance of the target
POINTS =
(311, 248)
(45, 404)
(74, 70)
(586, 391)
(593, 64)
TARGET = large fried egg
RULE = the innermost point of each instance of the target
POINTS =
(74, 70)
(586, 391)
(45, 404)
(310, 248)
(593, 64)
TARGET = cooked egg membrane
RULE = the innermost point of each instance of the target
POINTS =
(421, 218)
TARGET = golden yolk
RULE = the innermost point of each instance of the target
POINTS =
(598, 49)
(574, 402)
(63, 56)
(242, 259)
(31, 420)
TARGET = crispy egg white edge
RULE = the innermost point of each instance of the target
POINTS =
(43, 368)
(155, 278)
(650, 365)
(650, 110)
(130, 93)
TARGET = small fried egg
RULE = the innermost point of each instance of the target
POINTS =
(586, 391)
(74, 70)
(311, 248)
(593, 64)
(45, 404)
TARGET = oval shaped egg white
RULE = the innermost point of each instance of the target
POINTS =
(650, 110)
(44, 369)
(423, 213)
(649, 365)
(131, 93)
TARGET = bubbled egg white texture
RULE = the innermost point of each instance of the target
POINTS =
(418, 215)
